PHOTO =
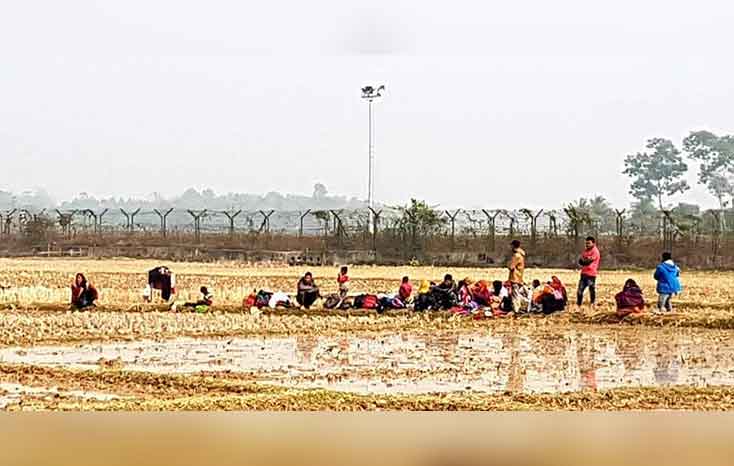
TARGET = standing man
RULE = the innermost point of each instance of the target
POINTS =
(589, 262)
(516, 268)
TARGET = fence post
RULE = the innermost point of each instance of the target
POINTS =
(533, 224)
(197, 215)
(100, 217)
(8, 221)
(96, 218)
(91, 213)
(375, 226)
(512, 219)
(553, 223)
(265, 225)
(130, 217)
(231, 217)
(492, 226)
(339, 227)
(300, 227)
(453, 226)
(65, 220)
(163, 216)
(576, 220)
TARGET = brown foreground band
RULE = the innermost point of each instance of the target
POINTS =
(410, 439)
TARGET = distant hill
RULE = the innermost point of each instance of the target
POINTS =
(189, 199)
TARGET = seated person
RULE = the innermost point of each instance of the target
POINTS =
(536, 293)
(444, 294)
(405, 290)
(424, 300)
(307, 291)
(465, 296)
(481, 293)
(553, 298)
(83, 293)
(501, 299)
(630, 300)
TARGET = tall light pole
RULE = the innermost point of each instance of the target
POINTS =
(370, 94)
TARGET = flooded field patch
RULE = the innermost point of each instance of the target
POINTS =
(523, 360)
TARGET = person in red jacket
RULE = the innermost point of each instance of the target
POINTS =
(342, 281)
(405, 291)
(83, 293)
(589, 262)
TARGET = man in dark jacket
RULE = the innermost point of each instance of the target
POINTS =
(667, 274)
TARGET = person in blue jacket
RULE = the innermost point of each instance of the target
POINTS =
(667, 274)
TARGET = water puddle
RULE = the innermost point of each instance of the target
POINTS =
(492, 361)
(13, 393)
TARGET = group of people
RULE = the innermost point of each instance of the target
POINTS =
(629, 301)
(84, 295)
(479, 298)
(503, 297)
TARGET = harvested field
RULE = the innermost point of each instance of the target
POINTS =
(130, 356)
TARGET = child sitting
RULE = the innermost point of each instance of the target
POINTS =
(343, 281)
(405, 290)
(205, 300)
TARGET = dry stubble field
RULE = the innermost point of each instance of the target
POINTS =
(129, 356)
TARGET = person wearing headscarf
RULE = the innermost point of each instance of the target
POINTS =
(630, 300)
(464, 292)
(424, 298)
(481, 293)
(553, 297)
(83, 293)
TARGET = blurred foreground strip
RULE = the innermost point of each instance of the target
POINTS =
(384, 439)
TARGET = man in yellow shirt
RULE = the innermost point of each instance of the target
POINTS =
(516, 268)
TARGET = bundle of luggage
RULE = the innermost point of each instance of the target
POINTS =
(264, 298)
(380, 303)
(436, 299)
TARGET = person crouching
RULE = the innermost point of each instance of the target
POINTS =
(307, 291)
(83, 293)
(630, 300)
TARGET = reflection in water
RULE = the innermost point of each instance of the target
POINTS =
(518, 360)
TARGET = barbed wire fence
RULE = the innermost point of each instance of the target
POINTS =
(385, 230)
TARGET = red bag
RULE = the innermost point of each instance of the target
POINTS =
(370, 302)
(249, 302)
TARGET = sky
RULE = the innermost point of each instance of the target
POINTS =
(488, 104)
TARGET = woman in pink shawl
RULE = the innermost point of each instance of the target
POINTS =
(630, 300)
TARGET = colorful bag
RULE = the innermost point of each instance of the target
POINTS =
(332, 301)
(370, 301)
(262, 299)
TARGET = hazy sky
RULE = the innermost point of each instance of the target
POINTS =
(524, 103)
